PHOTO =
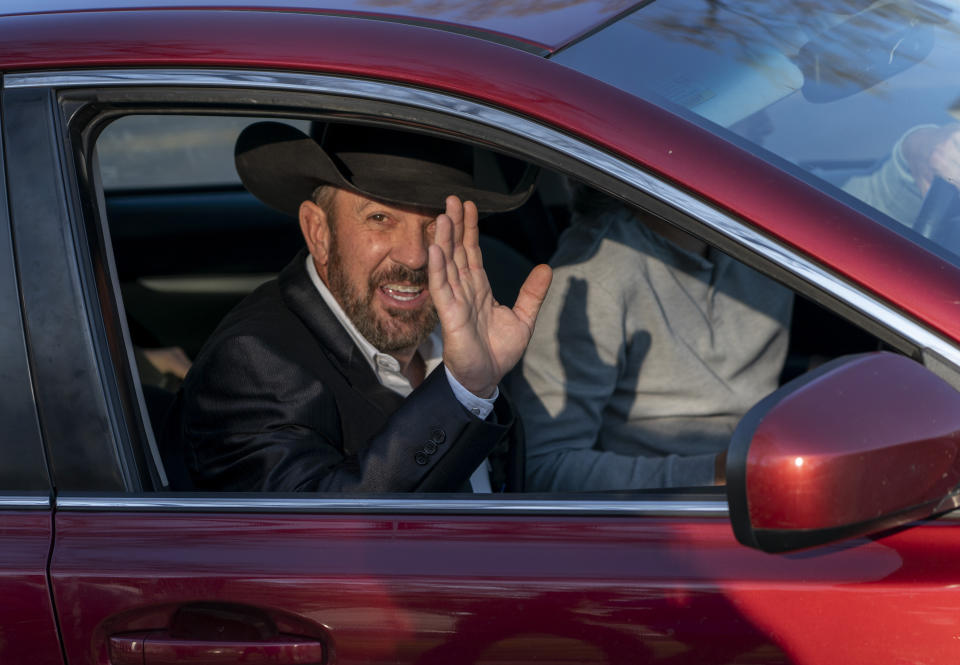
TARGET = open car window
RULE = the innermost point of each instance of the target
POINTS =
(651, 346)
(150, 152)
(188, 241)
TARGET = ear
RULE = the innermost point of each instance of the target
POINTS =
(315, 227)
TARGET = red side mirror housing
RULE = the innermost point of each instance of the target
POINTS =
(860, 444)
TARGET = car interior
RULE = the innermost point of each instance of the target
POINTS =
(189, 242)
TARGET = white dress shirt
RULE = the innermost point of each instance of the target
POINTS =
(387, 369)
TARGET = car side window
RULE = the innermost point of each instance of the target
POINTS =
(650, 347)
(162, 152)
(188, 240)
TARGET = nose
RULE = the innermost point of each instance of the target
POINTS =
(410, 246)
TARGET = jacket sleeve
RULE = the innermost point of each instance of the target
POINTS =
(250, 419)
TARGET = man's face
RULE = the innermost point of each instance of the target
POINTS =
(376, 268)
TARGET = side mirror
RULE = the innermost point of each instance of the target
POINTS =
(860, 444)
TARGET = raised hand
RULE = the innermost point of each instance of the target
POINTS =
(482, 339)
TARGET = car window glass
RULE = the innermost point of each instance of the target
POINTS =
(650, 347)
(845, 94)
(149, 151)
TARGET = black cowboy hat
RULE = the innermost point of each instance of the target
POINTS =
(282, 166)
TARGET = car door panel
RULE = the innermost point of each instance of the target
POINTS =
(460, 588)
(404, 588)
(28, 630)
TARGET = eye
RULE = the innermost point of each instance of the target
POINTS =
(378, 217)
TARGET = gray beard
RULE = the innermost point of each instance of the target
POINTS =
(414, 326)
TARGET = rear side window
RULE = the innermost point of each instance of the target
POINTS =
(162, 151)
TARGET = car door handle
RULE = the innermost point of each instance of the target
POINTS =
(160, 648)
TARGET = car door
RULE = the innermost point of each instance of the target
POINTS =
(147, 576)
(29, 629)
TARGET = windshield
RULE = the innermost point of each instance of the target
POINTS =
(860, 98)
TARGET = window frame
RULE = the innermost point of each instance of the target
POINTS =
(85, 96)
(24, 476)
(63, 343)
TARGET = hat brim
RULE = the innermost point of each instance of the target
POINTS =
(282, 166)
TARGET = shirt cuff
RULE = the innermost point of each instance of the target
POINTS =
(478, 406)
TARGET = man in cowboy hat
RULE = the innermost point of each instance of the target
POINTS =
(334, 376)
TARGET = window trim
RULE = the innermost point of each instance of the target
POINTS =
(652, 505)
(27, 468)
(26, 501)
(65, 366)
(711, 505)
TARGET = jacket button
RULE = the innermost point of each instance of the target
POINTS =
(421, 459)
(437, 435)
(429, 447)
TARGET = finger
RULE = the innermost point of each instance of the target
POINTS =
(450, 250)
(443, 235)
(532, 293)
(443, 238)
(440, 290)
(471, 235)
(455, 210)
(479, 284)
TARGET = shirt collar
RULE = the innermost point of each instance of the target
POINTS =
(385, 366)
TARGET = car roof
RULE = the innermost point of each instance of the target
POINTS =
(531, 24)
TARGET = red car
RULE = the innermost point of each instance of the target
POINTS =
(762, 128)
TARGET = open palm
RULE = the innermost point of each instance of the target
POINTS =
(482, 339)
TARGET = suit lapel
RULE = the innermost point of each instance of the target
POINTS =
(302, 298)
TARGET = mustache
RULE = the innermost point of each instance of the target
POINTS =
(399, 273)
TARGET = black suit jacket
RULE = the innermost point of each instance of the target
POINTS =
(281, 399)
